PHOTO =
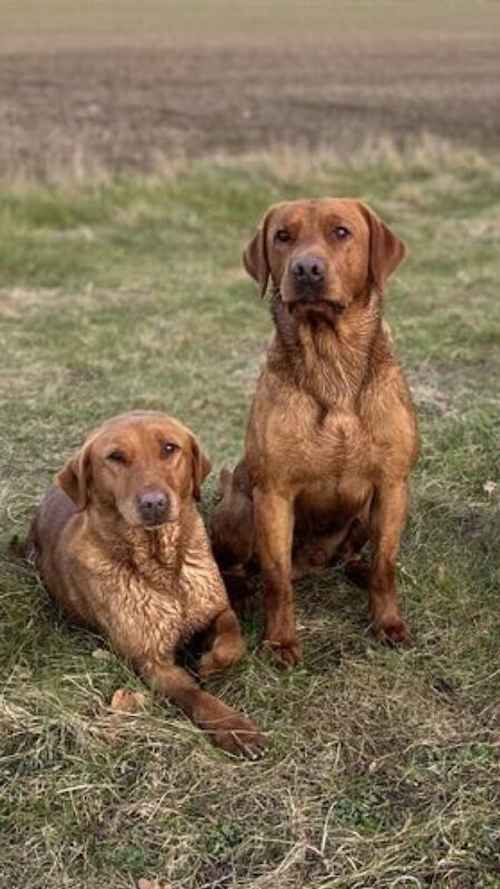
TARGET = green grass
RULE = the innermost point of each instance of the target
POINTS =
(382, 768)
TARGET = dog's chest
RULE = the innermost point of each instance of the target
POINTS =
(152, 615)
(327, 457)
(338, 480)
(313, 445)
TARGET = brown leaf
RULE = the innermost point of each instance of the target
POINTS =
(126, 701)
(152, 884)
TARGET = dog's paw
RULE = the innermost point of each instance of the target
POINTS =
(391, 630)
(239, 736)
(286, 654)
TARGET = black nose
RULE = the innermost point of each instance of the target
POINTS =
(309, 270)
(153, 506)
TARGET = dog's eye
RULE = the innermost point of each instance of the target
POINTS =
(282, 235)
(341, 232)
(168, 448)
(117, 457)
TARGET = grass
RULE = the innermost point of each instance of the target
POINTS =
(382, 768)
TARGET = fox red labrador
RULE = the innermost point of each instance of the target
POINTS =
(120, 544)
(332, 435)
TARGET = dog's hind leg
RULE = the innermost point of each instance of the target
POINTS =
(357, 568)
(228, 646)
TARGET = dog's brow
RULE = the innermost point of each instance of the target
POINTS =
(293, 220)
(117, 444)
(162, 435)
(332, 218)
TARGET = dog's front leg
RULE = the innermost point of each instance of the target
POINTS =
(228, 729)
(386, 524)
(274, 519)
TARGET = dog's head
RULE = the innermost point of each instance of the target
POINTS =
(322, 254)
(143, 465)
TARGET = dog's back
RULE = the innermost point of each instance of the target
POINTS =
(52, 516)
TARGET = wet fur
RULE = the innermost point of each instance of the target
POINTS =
(148, 591)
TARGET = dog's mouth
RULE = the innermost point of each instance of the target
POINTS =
(134, 519)
(307, 304)
(158, 524)
(151, 527)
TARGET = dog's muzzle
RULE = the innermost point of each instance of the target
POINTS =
(309, 273)
(153, 506)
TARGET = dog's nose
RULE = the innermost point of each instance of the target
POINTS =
(153, 506)
(309, 270)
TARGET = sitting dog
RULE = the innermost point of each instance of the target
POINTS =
(332, 434)
(120, 544)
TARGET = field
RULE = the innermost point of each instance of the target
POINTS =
(84, 88)
(120, 238)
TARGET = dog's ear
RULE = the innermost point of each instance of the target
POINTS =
(255, 258)
(75, 477)
(201, 466)
(386, 249)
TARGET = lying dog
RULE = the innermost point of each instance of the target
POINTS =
(121, 546)
(332, 433)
